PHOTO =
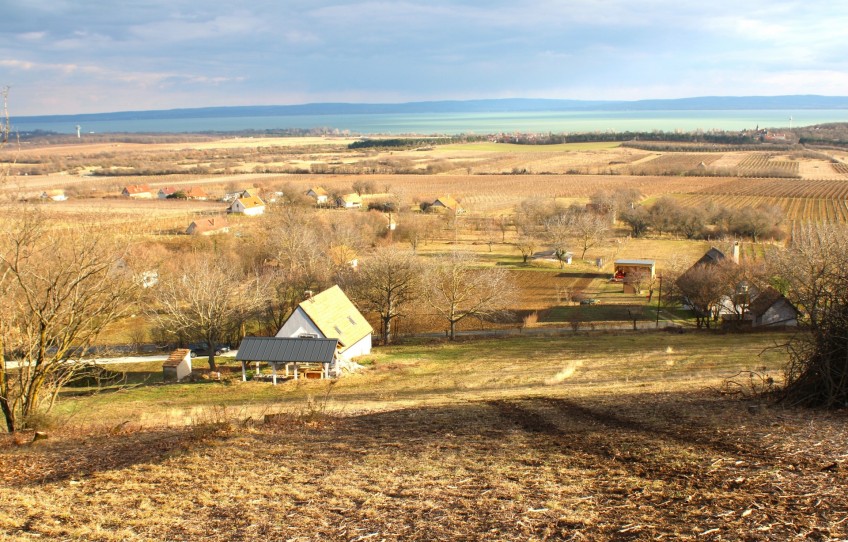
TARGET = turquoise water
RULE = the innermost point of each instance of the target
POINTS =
(480, 123)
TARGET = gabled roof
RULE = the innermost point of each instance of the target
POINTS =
(204, 225)
(353, 197)
(318, 191)
(176, 357)
(448, 202)
(168, 190)
(333, 313)
(711, 257)
(137, 188)
(766, 300)
(195, 192)
(642, 263)
(251, 202)
(285, 349)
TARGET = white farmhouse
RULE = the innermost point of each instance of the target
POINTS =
(248, 206)
(331, 315)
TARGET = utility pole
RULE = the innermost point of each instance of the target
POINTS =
(659, 301)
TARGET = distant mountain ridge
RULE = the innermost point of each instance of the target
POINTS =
(505, 105)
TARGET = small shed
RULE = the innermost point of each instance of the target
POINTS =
(771, 309)
(291, 353)
(634, 274)
(177, 366)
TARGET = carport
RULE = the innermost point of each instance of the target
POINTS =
(289, 352)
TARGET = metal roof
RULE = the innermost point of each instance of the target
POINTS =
(282, 350)
(635, 262)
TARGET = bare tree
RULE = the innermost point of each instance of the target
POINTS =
(558, 234)
(526, 244)
(387, 282)
(295, 261)
(812, 272)
(589, 229)
(457, 290)
(207, 298)
(702, 288)
(59, 288)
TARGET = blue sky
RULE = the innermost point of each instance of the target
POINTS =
(66, 56)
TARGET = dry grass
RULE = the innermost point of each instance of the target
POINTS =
(549, 439)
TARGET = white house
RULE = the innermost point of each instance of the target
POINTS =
(321, 196)
(248, 206)
(350, 201)
(54, 195)
(166, 191)
(137, 191)
(331, 315)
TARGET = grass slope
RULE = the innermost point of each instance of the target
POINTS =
(604, 437)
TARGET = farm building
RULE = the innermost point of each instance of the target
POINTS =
(634, 274)
(195, 192)
(447, 203)
(290, 352)
(331, 315)
(209, 226)
(137, 191)
(344, 256)
(771, 308)
(166, 191)
(350, 201)
(250, 206)
(177, 366)
(320, 195)
(54, 195)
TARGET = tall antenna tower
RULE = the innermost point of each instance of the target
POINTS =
(78, 131)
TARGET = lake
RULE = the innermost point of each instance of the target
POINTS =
(457, 123)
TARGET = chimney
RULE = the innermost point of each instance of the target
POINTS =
(736, 252)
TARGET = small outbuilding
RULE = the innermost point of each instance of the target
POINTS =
(771, 309)
(292, 353)
(447, 203)
(634, 274)
(209, 226)
(177, 366)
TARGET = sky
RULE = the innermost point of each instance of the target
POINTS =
(90, 56)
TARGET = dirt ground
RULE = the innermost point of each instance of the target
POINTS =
(668, 466)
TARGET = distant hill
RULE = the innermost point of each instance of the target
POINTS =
(509, 105)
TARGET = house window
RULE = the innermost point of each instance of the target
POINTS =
(307, 336)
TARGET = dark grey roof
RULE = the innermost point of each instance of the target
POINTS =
(281, 350)
(711, 257)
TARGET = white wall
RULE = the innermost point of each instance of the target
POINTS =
(299, 324)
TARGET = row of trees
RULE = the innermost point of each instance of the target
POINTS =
(667, 215)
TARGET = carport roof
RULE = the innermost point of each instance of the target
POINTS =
(287, 350)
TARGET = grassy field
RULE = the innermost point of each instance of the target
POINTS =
(581, 437)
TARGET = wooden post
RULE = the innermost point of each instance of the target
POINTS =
(295, 371)
(274, 373)
(287, 369)
(243, 372)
